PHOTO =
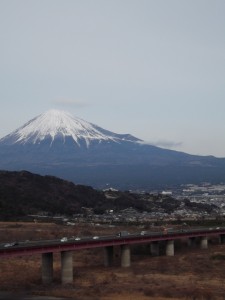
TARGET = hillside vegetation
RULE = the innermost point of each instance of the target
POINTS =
(23, 193)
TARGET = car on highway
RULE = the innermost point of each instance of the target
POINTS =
(95, 237)
(64, 239)
(11, 244)
(77, 239)
(143, 232)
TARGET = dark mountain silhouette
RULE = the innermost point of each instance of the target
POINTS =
(24, 193)
(55, 143)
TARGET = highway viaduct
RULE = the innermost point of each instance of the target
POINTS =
(47, 247)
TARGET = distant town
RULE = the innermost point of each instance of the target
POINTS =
(185, 202)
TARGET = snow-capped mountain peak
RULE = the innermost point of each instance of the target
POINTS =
(55, 124)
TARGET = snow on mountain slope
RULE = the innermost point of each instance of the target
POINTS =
(59, 124)
(56, 143)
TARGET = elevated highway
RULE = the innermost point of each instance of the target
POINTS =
(67, 245)
(45, 246)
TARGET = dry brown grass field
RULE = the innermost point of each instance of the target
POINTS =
(191, 274)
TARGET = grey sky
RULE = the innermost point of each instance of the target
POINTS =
(154, 69)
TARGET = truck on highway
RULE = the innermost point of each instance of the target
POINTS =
(123, 233)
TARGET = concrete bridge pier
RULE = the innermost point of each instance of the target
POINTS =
(125, 256)
(154, 248)
(204, 242)
(192, 242)
(222, 238)
(66, 267)
(170, 248)
(108, 256)
(47, 268)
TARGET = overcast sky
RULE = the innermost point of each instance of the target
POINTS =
(151, 68)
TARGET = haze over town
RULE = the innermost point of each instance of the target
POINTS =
(154, 69)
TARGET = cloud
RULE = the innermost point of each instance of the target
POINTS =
(164, 144)
(70, 102)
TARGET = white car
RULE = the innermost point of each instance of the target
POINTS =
(95, 237)
(143, 232)
(64, 239)
(10, 244)
(77, 239)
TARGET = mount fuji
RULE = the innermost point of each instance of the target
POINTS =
(54, 126)
(56, 143)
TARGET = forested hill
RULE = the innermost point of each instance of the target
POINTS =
(23, 193)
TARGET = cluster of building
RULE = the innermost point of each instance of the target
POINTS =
(206, 193)
(190, 202)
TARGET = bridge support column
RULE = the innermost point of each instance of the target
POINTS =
(191, 242)
(204, 242)
(66, 267)
(108, 256)
(222, 238)
(170, 248)
(125, 256)
(47, 268)
(154, 248)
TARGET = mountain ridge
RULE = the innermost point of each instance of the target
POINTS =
(23, 194)
(55, 124)
(56, 143)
